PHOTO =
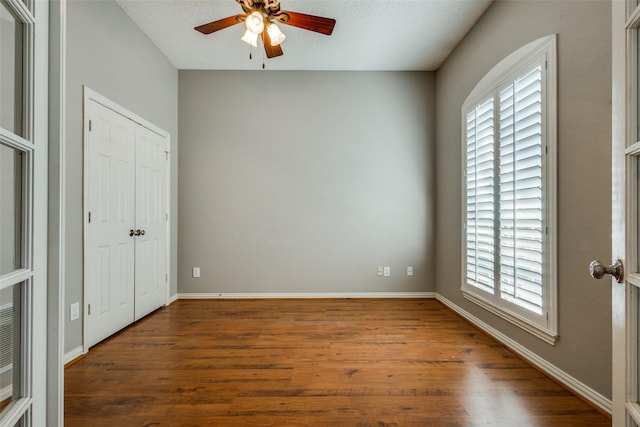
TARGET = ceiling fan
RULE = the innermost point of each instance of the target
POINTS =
(260, 17)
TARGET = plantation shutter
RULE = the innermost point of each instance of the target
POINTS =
(6, 337)
(520, 191)
(509, 129)
(480, 218)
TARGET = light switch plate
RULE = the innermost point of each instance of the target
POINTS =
(410, 271)
(387, 271)
(196, 272)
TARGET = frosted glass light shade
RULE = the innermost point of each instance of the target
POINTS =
(254, 22)
(250, 38)
(275, 35)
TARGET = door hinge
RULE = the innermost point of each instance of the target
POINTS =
(166, 153)
(89, 216)
(89, 125)
(166, 277)
(89, 310)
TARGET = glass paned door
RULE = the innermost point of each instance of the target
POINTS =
(23, 153)
(625, 207)
(633, 275)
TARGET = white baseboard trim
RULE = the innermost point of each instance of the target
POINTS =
(172, 299)
(73, 354)
(299, 295)
(6, 392)
(553, 371)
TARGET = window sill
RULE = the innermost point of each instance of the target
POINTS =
(546, 335)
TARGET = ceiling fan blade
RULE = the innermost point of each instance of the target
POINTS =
(271, 51)
(307, 22)
(220, 24)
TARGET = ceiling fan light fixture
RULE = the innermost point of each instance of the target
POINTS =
(255, 22)
(250, 38)
(275, 35)
(259, 18)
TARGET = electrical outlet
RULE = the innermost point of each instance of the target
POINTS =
(380, 271)
(196, 272)
(387, 271)
(410, 271)
(74, 311)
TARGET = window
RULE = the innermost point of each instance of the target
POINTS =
(509, 190)
(11, 45)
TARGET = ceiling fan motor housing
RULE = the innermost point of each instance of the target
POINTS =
(267, 4)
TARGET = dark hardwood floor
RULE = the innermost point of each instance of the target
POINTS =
(351, 362)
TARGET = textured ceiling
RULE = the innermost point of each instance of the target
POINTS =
(369, 34)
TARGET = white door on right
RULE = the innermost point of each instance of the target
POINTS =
(151, 222)
(624, 215)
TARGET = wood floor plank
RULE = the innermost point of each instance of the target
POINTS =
(344, 362)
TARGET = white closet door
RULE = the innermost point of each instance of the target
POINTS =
(109, 263)
(151, 220)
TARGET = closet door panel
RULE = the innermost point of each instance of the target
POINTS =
(151, 220)
(109, 263)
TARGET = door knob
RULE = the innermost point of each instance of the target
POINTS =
(142, 232)
(131, 233)
(598, 270)
(138, 232)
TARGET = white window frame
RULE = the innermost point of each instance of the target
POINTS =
(543, 51)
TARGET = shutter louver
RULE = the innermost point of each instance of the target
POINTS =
(6, 337)
(520, 192)
(480, 197)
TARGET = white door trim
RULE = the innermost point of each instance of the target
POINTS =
(40, 111)
(57, 213)
(91, 95)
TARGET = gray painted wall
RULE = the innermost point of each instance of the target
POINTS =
(584, 137)
(107, 52)
(306, 181)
